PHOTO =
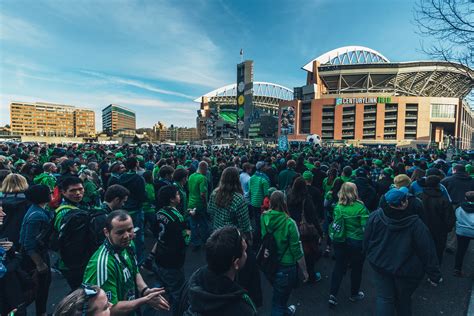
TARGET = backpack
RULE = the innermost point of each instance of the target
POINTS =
(79, 236)
(267, 256)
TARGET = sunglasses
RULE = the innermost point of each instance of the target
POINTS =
(89, 292)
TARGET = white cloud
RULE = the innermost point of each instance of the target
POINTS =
(21, 32)
(136, 83)
(155, 40)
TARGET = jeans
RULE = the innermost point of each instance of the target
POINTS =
(138, 219)
(173, 281)
(463, 244)
(199, 230)
(393, 294)
(349, 252)
(286, 279)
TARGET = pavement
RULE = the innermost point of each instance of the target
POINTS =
(452, 297)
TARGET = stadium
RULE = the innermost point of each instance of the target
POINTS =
(217, 117)
(356, 95)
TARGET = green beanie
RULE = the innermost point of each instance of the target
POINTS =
(308, 175)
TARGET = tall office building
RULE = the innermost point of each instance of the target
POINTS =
(117, 119)
(52, 120)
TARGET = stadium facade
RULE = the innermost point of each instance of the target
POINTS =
(356, 95)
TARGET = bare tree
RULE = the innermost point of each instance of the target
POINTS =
(451, 24)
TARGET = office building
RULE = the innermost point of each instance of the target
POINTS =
(51, 120)
(118, 120)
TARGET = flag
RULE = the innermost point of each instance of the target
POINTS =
(241, 52)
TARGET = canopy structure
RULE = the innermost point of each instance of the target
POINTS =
(265, 94)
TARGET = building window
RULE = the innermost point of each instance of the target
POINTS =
(305, 118)
(443, 110)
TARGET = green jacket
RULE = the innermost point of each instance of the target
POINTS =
(285, 177)
(148, 205)
(355, 216)
(91, 193)
(47, 179)
(286, 236)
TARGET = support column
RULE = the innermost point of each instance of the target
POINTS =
(380, 121)
(359, 122)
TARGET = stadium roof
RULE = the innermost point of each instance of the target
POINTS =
(261, 90)
(357, 69)
(348, 55)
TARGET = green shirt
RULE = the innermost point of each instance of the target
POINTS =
(183, 204)
(148, 205)
(114, 271)
(236, 214)
(197, 186)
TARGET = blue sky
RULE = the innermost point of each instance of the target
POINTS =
(155, 57)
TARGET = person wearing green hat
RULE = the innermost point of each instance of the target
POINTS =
(376, 171)
(119, 156)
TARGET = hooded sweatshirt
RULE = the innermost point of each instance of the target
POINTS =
(397, 242)
(465, 220)
(286, 236)
(209, 294)
(437, 213)
(457, 186)
(136, 185)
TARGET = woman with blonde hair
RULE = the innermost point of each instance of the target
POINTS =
(86, 300)
(347, 232)
(15, 205)
(14, 183)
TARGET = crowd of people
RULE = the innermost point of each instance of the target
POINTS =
(253, 211)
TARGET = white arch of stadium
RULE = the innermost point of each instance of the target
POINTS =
(348, 55)
(260, 89)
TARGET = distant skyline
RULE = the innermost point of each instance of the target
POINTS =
(155, 57)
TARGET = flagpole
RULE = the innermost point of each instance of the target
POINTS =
(241, 55)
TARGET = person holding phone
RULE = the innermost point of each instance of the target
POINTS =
(14, 206)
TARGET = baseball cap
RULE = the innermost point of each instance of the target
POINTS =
(259, 165)
(396, 196)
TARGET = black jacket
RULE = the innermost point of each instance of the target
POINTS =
(398, 243)
(366, 193)
(208, 294)
(171, 246)
(15, 206)
(136, 185)
(438, 213)
(382, 186)
(318, 178)
(457, 185)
